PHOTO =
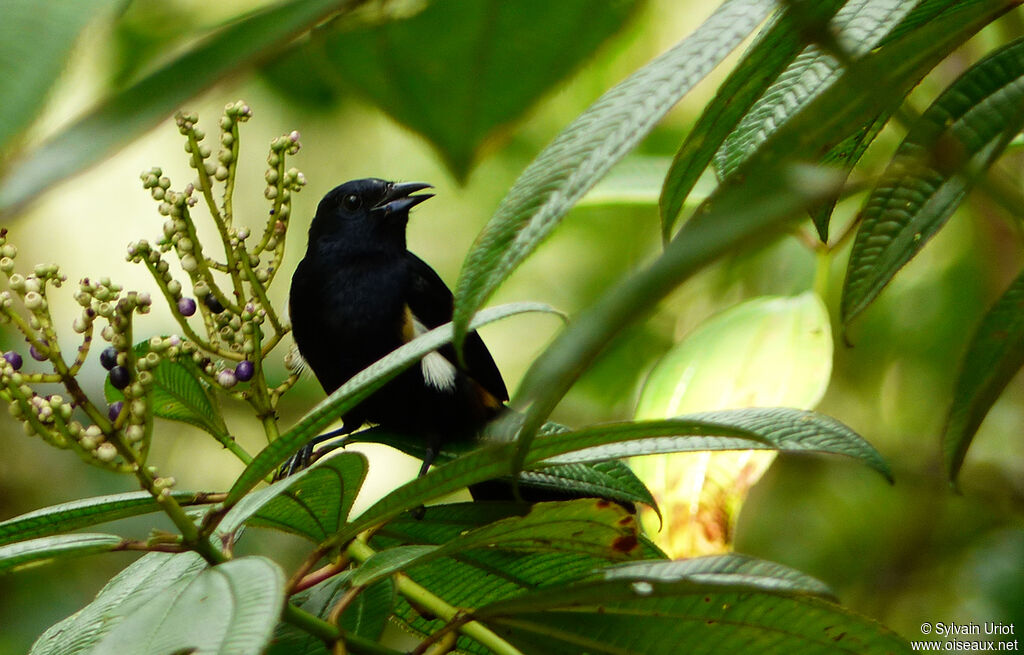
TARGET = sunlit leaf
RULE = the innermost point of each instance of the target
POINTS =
(584, 151)
(229, 608)
(956, 139)
(994, 356)
(134, 587)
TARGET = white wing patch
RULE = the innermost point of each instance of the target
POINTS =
(438, 372)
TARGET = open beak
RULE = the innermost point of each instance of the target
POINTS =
(398, 198)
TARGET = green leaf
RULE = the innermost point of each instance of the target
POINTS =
(46, 549)
(723, 604)
(470, 77)
(30, 66)
(229, 608)
(995, 354)
(636, 180)
(777, 428)
(358, 388)
(774, 49)
(587, 526)
(584, 151)
(959, 136)
(313, 503)
(86, 512)
(366, 616)
(136, 586)
(179, 394)
(858, 27)
(128, 113)
(476, 577)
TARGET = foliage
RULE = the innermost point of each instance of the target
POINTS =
(789, 124)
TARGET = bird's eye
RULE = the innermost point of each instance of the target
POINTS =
(351, 202)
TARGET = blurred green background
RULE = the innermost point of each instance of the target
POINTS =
(904, 554)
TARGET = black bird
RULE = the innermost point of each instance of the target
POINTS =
(359, 294)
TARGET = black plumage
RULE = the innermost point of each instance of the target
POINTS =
(359, 294)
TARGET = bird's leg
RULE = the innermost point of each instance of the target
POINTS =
(433, 447)
(304, 457)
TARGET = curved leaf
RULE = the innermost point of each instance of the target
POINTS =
(588, 147)
(586, 526)
(134, 587)
(724, 604)
(128, 113)
(87, 512)
(229, 608)
(773, 50)
(30, 66)
(954, 141)
(47, 549)
(994, 356)
(357, 389)
(312, 503)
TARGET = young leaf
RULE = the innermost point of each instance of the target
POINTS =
(356, 390)
(585, 150)
(774, 49)
(726, 604)
(313, 503)
(994, 356)
(587, 526)
(48, 549)
(86, 512)
(959, 136)
(136, 586)
(111, 124)
(30, 66)
(179, 394)
(229, 608)
(460, 91)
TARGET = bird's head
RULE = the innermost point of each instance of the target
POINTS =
(368, 214)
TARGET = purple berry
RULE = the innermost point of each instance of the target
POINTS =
(108, 358)
(14, 359)
(213, 304)
(114, 410)
(186, 306)
(120, 377)
(36, 355)
(244, 371)
(226, 378)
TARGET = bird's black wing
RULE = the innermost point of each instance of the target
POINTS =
(430, 301)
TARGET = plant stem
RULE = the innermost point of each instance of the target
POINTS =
(330, 633)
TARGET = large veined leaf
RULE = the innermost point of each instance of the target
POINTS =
(30, 66)
(47, 549)
(588, 526)
(585, 150)
(129, 112)
(763, 352)
(994, 356)
(134, 587)
(956, 139)
(86, 512)
(457, 70)
(179, 394)
(480, 576)
(773, 50)
(356, 390)
(313, 503)
(726, 604)
(229, 608)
